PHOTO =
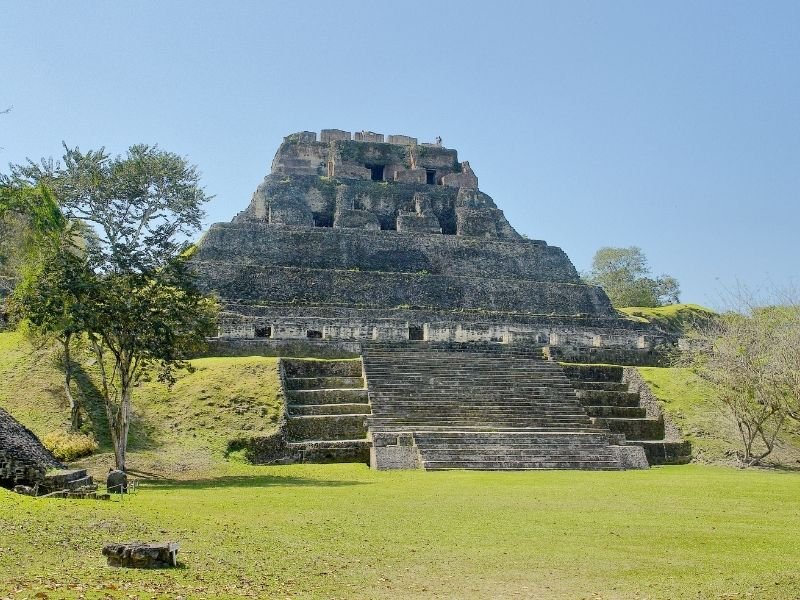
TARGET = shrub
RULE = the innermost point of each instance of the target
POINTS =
(68, 446)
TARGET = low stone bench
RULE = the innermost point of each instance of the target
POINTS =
(137, 555)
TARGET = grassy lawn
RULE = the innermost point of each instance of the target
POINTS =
(344, 531)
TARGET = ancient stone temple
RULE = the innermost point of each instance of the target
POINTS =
(361, 237)
(386, 249)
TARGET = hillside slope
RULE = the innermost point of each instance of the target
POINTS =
(692, 405)
(180, 431)
(672, 318)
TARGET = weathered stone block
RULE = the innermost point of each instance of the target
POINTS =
(356, 219)
(329, 135)
(137, 555)
(393, 451)
(368, 136)
(401, 139)
(413, 222)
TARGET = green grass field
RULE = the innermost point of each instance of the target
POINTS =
(343, 531)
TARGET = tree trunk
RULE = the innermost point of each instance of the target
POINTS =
(74, 409)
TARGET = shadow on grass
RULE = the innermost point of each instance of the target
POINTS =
(245, 481)
(93, 405)
(779, 468)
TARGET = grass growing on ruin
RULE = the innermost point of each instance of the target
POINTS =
(343, 531)
(672, 317)
(177, 431)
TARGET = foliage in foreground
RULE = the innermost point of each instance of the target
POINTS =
(68, 445)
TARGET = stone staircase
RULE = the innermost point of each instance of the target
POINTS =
(610, 403)
(326, 411)
(480, 406)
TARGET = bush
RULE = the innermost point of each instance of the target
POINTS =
(69, 446)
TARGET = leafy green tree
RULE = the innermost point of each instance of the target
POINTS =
(625, 276)
(129, 289)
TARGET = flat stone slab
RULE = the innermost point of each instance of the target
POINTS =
(137, 555)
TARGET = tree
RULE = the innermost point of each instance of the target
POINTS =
(752, 358)
(30, 220)
(52, 295)
(625, 276)
(133, 295)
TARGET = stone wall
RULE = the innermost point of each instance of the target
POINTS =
(385, 251)
(340, 325)
(292, 285)
(309, 201)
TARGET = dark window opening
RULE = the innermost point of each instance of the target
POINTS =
(416, 333)
(376, 172)
(323, 220)
(313, 334)
(262, 331)
(430, 176)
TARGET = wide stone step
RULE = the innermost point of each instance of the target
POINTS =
(634, 429)
(295, 367)
(465, 412)
(340, 396)
(483, 429)
(483, 425)
(618, 412)
(603, 398)
(593, 372)
(660, 452)
(329, 409)
(589, 465)
(506, 437)
(608, 386)
(329, 427)
(461, 412)
(323, 383)
(332, 451)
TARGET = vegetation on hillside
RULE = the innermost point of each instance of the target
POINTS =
(179, 432)
(751, 359)
(672, 318)
(694, 406)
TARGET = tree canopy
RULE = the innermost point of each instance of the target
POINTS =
(625, 276)
(124, 282)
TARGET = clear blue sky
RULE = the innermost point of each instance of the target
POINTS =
(671, 126)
